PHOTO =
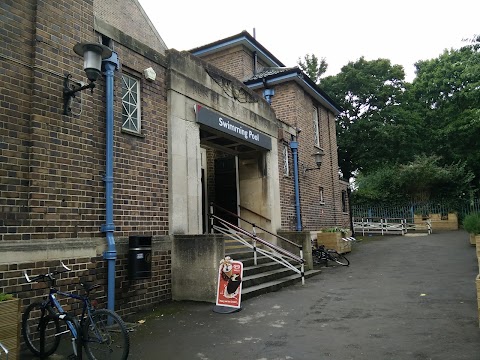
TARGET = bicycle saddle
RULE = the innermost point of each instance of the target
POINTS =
(89, 287)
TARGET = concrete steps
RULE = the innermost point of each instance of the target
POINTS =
(266, 276)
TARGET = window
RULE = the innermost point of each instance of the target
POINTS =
(322, 201)
(130, 103)
(286, 167)
(316, 133)
(344, 201)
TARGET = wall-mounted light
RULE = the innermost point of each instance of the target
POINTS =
(318, 155)
(92, 54)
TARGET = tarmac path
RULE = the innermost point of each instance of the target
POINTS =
(402, 298)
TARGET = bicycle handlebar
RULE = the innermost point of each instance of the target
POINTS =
(47, 275)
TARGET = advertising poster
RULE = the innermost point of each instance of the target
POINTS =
(229, 291)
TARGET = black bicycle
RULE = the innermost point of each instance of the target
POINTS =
(101, 332)
(321, 255)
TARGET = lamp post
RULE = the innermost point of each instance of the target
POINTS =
(92, 54)
(318, 155)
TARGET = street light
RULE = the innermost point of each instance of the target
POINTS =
(92, 53)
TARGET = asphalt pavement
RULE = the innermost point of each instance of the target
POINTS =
(402, 298)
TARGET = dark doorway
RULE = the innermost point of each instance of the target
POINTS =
(204, 204)
(226, 187)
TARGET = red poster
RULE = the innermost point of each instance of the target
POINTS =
(230, 274)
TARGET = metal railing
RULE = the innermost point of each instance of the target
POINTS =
(274, 252)
(254, 212)
(386, 226)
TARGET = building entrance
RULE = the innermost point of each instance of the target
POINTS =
(226, 194)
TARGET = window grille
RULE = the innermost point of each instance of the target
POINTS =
(131, 104)
(286, 166)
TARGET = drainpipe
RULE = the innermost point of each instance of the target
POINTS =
(294, 147)
(110, 65)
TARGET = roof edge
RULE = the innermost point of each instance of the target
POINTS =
(296, 74)
(244, 37)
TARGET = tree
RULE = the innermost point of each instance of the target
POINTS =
(375, 127)
(447, 94)
(313, 67)
(422, 180)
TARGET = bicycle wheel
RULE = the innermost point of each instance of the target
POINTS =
(105, 336)
(316, 256)
(31, 330)
(339, 258)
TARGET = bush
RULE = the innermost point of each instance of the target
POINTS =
(334, 229)
(471, 223)
(5, 297)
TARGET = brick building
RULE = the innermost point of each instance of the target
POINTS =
(170, 153)
(307, 116)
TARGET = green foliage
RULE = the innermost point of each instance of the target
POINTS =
(447, 95)
(5, 297)
(387, 122)
(422, 180)
(471, 223)
(313, 67)
(334, 230)
(376, 126)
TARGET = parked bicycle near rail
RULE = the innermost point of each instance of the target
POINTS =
(321, 256)
(101, 332)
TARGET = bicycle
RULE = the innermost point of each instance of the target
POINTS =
(102, 331)
(322, 255)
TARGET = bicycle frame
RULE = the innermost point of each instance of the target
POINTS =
(52, 303)
(52, 299)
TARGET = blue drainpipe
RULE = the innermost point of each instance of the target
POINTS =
(110, 65)
(294, 147)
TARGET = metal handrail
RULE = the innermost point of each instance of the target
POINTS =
(260, 240)
(233, 231)
(300, 247)
(253, 212)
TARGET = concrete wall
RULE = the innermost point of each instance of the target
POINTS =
(301, 238)
(195, 264)
(192, 81)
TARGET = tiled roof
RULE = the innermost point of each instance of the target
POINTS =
(266, 72)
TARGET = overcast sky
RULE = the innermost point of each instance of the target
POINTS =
(341, 31)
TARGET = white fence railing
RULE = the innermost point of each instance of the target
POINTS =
(388, 226)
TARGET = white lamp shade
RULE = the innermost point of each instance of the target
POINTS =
(92, 54)
(92, 64)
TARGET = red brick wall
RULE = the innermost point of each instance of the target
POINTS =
(130, 296)
(122, 14)
(141, 163)
(294, 107)
(16, 73)
(52, 165)
(237, 61)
